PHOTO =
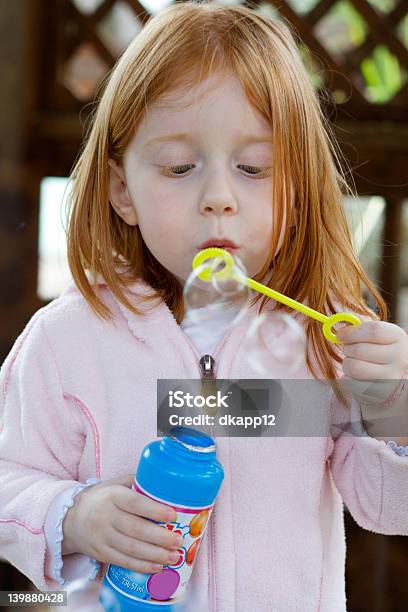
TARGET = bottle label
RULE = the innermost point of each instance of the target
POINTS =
(168, 586)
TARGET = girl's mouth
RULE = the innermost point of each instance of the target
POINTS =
(231, 250)
(221, 243)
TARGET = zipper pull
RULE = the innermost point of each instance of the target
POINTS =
(207, 363)
(208, 381)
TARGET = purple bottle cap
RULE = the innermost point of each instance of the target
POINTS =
(162, 586)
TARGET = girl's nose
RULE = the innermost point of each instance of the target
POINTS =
(218, 207)
(218, 197)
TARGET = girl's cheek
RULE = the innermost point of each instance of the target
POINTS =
(166, 208)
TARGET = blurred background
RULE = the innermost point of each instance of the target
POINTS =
(54, 54)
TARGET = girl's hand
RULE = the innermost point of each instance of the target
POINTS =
(374, 351)
(109, 522)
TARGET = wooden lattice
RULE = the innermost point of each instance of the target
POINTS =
(382, 30)
(85, 50)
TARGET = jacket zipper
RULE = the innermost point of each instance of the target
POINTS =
(207, 364)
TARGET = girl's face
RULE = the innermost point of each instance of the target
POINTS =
(199, 167)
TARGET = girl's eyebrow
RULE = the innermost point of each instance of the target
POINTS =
(187, 138)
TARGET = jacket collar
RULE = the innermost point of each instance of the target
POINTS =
(157, 320)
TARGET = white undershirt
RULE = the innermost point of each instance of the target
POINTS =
(206, 327)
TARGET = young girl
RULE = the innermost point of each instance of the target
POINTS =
(208, 128)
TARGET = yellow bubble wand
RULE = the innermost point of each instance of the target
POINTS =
(230, 270)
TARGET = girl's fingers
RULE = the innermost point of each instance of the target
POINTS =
(115, 557)
(376, 332)
(138, 549)
(143, 529)
(135, 503)
(363, 370)
(373, 353)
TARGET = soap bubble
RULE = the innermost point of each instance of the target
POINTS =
(275, 344)
(205, 299)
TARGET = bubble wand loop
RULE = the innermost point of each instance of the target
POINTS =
(231, 271)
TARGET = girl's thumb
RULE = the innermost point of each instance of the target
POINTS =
(126, 480)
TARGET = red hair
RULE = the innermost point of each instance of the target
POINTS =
(183, 45)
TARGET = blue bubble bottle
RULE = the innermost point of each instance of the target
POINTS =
(182, 471)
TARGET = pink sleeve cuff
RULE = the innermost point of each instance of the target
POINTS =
(68, 568)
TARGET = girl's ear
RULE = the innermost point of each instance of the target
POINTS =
(118, 194)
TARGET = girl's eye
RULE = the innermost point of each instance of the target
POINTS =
(256, 170)
(182, 169)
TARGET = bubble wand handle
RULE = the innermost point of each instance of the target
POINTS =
(231, 271)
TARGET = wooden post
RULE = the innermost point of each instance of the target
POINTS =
(19, 182)
(392, 237)
(19, 196)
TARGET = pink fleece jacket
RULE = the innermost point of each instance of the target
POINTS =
(78, 401)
